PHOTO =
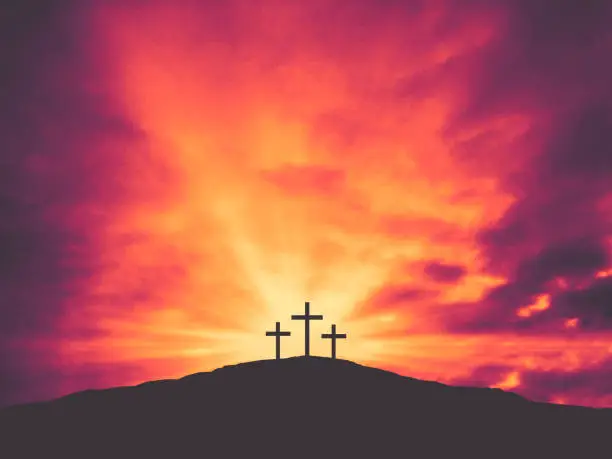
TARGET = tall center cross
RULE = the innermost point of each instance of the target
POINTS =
(278, 333)
(333, 336)
(307, 317)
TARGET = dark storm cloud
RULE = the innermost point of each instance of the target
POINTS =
(587, 151)
(592, 305)
(584, 385)
(26, 383)
(483, 376)
(573, 259)
(584, 297)
(587, 383)
(28, 247)
(444, 272)
(551, 55)
(553, 59)
(51, 123)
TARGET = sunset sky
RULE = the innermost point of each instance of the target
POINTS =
(434, 176)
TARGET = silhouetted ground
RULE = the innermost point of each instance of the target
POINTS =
(301, 407)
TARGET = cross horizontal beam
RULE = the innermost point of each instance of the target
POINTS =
(329, 335)
(303, 317)
(278, 333)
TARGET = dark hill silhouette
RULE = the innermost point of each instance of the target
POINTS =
(301, 407)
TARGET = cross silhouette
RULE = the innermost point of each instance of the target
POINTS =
(306, 317)
(333, 336)
(278, 333)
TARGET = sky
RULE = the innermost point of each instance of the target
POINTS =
(434, 177)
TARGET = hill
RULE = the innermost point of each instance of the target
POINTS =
(301, 407)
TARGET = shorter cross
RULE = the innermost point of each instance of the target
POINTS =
(278, 333)
(333, 336)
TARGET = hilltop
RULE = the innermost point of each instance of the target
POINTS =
(300, 407)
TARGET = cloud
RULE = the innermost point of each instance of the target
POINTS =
(484, 376)
(566, 272)
(55, 129)
(555, 229)
(585, 385)
(175, 178)
(395, 295)
(574, 259)
(292, 179)
(444, 273)
(591, 305)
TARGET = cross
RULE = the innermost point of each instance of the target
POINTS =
(333, 336)
(278, 333)
(306, 317)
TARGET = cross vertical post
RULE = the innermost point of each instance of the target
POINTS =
(278, 333)
(333, 336)
(307, 317)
